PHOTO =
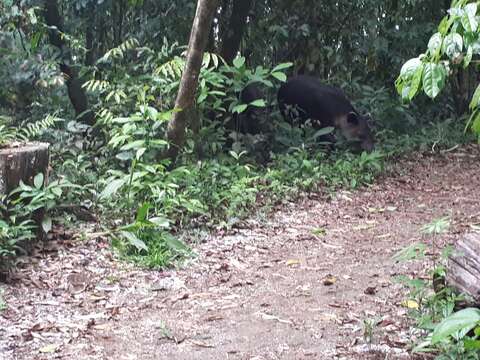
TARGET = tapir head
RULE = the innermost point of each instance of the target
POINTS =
(355, 127)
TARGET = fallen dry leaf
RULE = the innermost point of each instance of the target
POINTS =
(292, 262)
(410, 304)
(48, 349)
(201, 344)
(273, 318)
(329, 280)
(214, 318)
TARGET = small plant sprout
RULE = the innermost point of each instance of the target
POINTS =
(3, 303)
(434, 229)
(369, 327)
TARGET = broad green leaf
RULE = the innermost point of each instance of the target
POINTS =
(140, 153)
(133, 145)
(258, 103)
(476, 125)
(282, 66)
(124, 156)
(143, 212)
(405, 90)
(456, 10)
(471, 345)
(151, 112)
(239, 62)
(475, 98)
(206, 59)
(280, 76)
(240, 108)
(469, 21)
(202, 97)
(47, 224)
(409, 68)
(324, 131)
(468, 57)
(464, 320)
(160, 222)
(111, 188)
(415, 83)
(134, 240)
(435, 43)
(57, 191)
(474, 42)
(434, 79)
(453, 45)
(175, 244)
(444, 25)
(36, 39)
(399, 84)
(38, 180)
(159, 142)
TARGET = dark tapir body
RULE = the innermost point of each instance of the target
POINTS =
(325, 106)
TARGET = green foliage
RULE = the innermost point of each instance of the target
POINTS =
(148, 241)
(17, 227)
(462, 321)
(27, 133)
(3, 303)
(438, 226)
(131, 70)
(452, 47)
(446, 333)
(28, 199)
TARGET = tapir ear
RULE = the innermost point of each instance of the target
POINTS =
(352, 118)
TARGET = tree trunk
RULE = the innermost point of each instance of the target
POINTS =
(90, 36)
(463, 84)
(233, 35)
(463, 270)
(23, 163)
(76, 93)
(188, 86)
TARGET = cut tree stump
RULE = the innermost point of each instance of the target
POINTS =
(464, 267)
(21, 162)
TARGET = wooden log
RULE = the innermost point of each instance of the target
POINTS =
(463, 269)
(21, 162)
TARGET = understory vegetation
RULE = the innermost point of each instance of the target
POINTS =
(113, 168)
(101, 90)
(442, 324)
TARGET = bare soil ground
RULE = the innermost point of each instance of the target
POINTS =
(297, 284)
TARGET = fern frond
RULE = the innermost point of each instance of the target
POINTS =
(94, 85)
(171, 70)
(7, 134)
(119, 51)
(33, 130)
(105, 117)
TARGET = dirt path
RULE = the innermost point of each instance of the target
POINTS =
(297, 285)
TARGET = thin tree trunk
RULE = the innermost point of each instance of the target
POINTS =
(236, 27)
(76, 93)
(188, 86)
(121, 15)
(461, 90)
(90, 36)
